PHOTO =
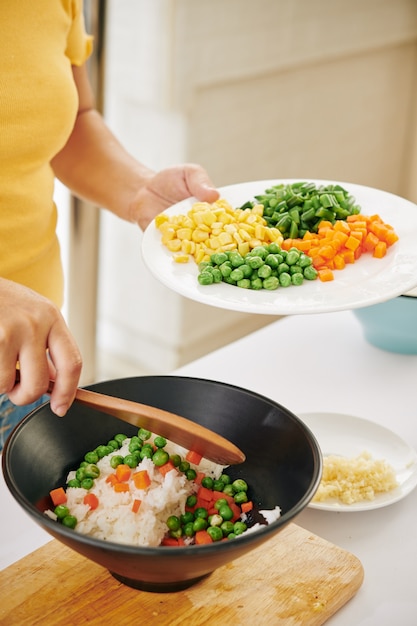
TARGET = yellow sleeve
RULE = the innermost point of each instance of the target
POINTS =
(80, 44)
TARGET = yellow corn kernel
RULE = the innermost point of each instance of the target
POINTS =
(199, 235)
(184, 233)
(174, 245)
(181, 258)
(258, 209)
(188, 247)
(214, 243)
(244, 235)
(254, 243)
(244, 248)
(225, 238)
(168, 235)
(260, 232)
(161, 219)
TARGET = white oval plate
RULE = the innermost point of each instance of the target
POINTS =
(366, 282)
(348, 436)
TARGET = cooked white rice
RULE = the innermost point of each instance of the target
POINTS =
(113, 520)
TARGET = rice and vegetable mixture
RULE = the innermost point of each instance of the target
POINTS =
(146, 491)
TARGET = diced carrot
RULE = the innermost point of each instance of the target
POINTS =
(205, 494)
(380, 250)
(325, 274)
(112, 479)
(339, 262)
(352, 243)
(58, 496)
(246, 506)
(169, 541)
(199, 477)
(123, 472)
(92, 500)
(167, 467)
(193, 457)
(342, 226)
(370, 242)
(136, 505)
(121, 487)
(236, 511)
(141, 479)
(202, 537)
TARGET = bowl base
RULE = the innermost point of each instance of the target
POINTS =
(167, 587)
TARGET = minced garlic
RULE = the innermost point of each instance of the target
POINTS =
(355, 479)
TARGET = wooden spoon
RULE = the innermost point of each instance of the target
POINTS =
(178, 429)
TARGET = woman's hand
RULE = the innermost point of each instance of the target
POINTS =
(169, 186)
(33, 333)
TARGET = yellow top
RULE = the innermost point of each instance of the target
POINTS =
(39, 40)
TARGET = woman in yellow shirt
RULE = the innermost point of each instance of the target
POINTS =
(49, 128)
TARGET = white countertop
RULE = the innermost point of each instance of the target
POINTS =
(328, 367)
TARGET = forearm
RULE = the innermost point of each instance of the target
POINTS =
(96, 167)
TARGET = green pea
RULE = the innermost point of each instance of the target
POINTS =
(273, 260)
(220, 502)
(240, 497)
(310, 273)
(239, 485)
(283, 268)
(191, 474)
(173, 522)
(226, 269)
(144, 434)
(296, 269)
(61, 511)
(191, 501)
(227, 527)
(247, 270)
(131, 460)
(74, 483)
(297, 279)
(205, 278)
(103, 451)
(244, 283)
(91, 457)
(160, 457)
(215, 533)
(271, 283)
(116, 460)
(184, 466)
(237, 274)
(228, 490)
(218, 258)
(225, 478)
(226, 512)
(80, 474)
(207, 482)
(255, 262)
(218, 485)
(274, 248)
(217, 275)
(199, 524)
(188, 529)
(113, 444)
(304, 260)
(265, 271)
(239, 528)
(175, 459)
(91, 471)
(160, 442)
(176, 533)
(120, 439)
(69, 521)
(146, 453)
(83, 464)
(231, 536)
(292, 257)
(256, 283)
(284, 279)
(201, 511)
(87, 483)
(236, 259)
(186, 518)
(261, 251)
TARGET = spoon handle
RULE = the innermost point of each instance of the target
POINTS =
(180, 430)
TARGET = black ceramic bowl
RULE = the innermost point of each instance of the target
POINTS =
(282, 467)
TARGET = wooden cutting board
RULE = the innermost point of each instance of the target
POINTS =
(295, 579)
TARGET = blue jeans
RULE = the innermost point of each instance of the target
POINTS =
(10, 415)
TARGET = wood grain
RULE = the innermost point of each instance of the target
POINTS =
(295, 579)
